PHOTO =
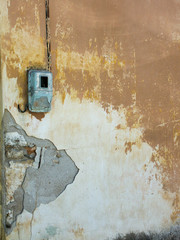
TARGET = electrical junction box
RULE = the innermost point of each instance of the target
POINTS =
(40, 90)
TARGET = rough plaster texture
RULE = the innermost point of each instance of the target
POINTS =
(32, 179)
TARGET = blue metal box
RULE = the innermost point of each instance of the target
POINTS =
(40, 90)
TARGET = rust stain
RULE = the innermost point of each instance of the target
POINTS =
(118, 126)
(15, 105)
(176, 205)
(128, 146)
(26, 225)
(30, 150)
(63, 96)
(39, 115)
(78, 233)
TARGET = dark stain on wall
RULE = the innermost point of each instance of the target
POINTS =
(169, 234)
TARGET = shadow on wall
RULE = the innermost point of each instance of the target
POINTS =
(172, 234)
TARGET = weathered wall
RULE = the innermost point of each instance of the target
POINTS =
(115, 112)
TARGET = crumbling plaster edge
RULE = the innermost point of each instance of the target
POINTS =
(8, 126)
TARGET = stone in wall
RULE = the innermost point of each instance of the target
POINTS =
(35, 171)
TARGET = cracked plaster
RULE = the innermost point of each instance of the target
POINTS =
(32, 180)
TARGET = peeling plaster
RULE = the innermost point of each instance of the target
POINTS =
(32, 179)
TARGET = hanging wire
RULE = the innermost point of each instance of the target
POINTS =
(48, 39)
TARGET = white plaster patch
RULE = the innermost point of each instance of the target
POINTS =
(112, 193)
(14, 138)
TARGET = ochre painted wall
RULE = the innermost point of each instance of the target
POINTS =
(115, 110)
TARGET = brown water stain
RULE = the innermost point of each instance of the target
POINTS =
(176, 205)
(118, 126)
(30, 150)
(38, 115)
(78, 233)
(128, 146)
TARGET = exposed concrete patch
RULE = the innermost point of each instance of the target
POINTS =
(35, 171)
(44, 184)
